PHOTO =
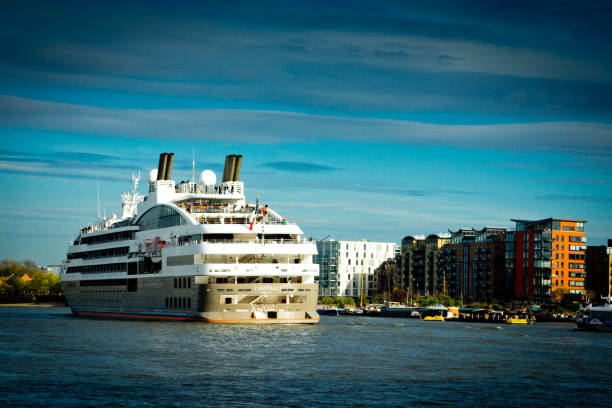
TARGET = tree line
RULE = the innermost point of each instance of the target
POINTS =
(26, 278)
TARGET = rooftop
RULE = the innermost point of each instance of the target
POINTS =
(534, 222)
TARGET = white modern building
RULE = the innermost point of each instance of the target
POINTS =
(347, 266)
(55, 269)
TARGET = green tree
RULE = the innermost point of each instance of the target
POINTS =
(399, 295)
(55, 284)
(347, 301)
(558, 293)
(13, 285)
(40, 283)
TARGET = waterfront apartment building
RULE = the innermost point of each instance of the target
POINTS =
(412, 255)
(545, 258)
(471, 265)
(599, 269)
(387, 277)
(345, 267)
(419, 263)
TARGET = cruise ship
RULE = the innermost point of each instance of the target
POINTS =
(195, 251)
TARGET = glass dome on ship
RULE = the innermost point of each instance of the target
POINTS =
(193, 251)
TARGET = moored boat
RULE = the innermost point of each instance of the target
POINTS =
(598, 318)
(516, 320)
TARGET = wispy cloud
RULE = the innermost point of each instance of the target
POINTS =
(513, 61)
(585, 181)
(65, 165)
(570, 197)
(257, 126)
(299, 167)
(57, 157)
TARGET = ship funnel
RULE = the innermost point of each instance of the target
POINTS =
(227, 158)
(168, 174)
(228, 170)
(161, 167)
(237, 164)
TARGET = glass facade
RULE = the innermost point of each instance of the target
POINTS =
(160, 217)
(327, 260)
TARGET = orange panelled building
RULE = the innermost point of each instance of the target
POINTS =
(568, 257)
(545, 255)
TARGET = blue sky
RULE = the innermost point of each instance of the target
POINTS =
(357, 119)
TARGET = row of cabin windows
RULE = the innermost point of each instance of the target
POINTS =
(182, 283)
(102, 253)
(178, 303)
(242, 280)
(103, 282)
(199, 238)
(105, 268)
(103, 239)
(255, 279)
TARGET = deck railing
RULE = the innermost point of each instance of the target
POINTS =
(244, 241)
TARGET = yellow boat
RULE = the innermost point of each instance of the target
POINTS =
(434, 318)
(512, 320)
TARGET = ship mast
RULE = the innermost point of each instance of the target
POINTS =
(98, 188)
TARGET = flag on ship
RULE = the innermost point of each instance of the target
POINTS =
(252, 216)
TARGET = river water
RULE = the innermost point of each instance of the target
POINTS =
(50, 358)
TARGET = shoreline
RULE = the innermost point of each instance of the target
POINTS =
(35, 304)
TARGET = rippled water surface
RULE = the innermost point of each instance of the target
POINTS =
(50, 358)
